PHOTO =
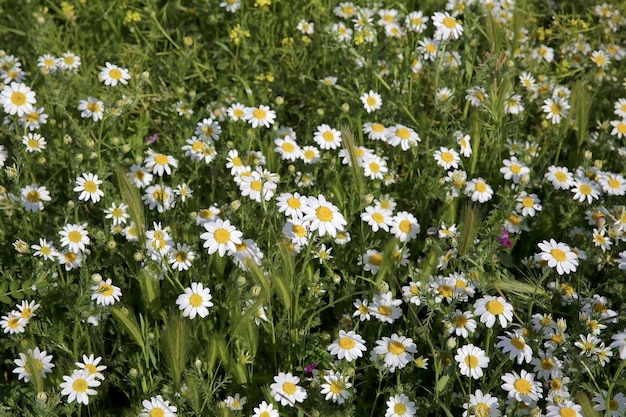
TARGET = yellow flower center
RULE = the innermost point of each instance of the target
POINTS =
(558, 255)
(481, 187)
(260, 114)
(309, 154)
(181, 256)
(93, 107)
(447, 157)
(399, 409)
(449, 22)
(70, 257)
(195, 300)
(298, 230)
(495, 307)
(371, 101)
(288, 147)
(80, 385)
(445, 291)
(403, 133)
(75, 236)
(13, 322)
(91, 368)
(555, 108)
(328, 136)
(18, 98)
(613, 405)
(567, 412)
(405, 226)
(324, 214)
(90, 186)
(256, 185)
(547, 364)
(384, 310)
(396, 347)
(528, 202)
(515, 168)
(378, 128)
(471, 361)
(460, 320)
(522, 386)
(374, 167)
(115, 74)
(32, 196)
(518, 343)
(159, 195)
(106, 290)
(346, 343)
(222, 235)
(289, 388)
(157, 412)
(335, 387)
(160, 159)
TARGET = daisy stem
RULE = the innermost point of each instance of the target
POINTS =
(100, 159)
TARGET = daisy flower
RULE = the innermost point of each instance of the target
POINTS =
(375, 131)
(34, 119)
(286, 390)
(140, 176)
(528, 204)
(615, 405)
(27, 309)
(447, 27)
(181, 257)
(405, 226)
(514, 169)
(374, 167)
(323, 216)
(566, 408)
(34, 142)
(396, 349)
(75, 237)
(159, 197)
(263, 410)
(585, 189)
(385, 308)
(17, 98)
(297, 230)
(349, 346)
(291, 204)
(234, 163)
(522, 386)
(112, 74)
(310, 154)
(400, 406)
(13, 324)
(412, 293)
(92, 107)
(220, 235)
(560, 177)
(235, 403)
(118, 214)
(70, 259)
(377, 218)
(556, 109)
(160, 163)
(208, 130)
(105, 293)
(48, 63)
(42, 361)
(335, 387)
(79, 386)
(32, 197)
(92, 364)
(491, 308)
(371, 261)
(462, 323)
(601, 240)
(195, 300)
(481, 405)
(447, 158)
(546, 365)
(362, 310)
(327, 137)
(558, 255)
(478, 190)
(157, 406)
(613, 184)
(403, 136)
(471, 360)
(236, 112)
(69, 61)
(515, 345)
(88, 185)
(371, 101)
(261, 115)
(416, 22)
(287, 148)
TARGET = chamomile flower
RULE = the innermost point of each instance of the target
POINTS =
(181, 257)
(478, 190)
(196, 300)
(310, 154)
(34, 142)
(465, 142)
(41, 360)
(13, 324)
(377, 218)
(615, 405)
(70, 259)
(515, 345)
(234, 163)
(560, 177)
(565, 408)
(286, 390)
(291, 204)
(92, 364)
(613, 184)
(157, 406)
(69, 61)
(297, 230)
(556, 109)
(119, 214)
(412, 293)
(371, 101)
(91, 108)
(159, 197)
(375, 131)
(396, 350)
(558, 255)
(447, 158)
(34, 119)
(405, 226)
(349, 346)
(327, 137)
(514, 169)
(416, 22)
(601, 240)
(362, 310)
(371, 261)
(335, 387)
(88, 185)
(584, 189)
(140, 176)
(546, 365)
(288, 148)
(543, 53)
(112, 74)
(32, 197)
(75, 237)
(385, 308)
(462, 323)
(264, 410)
(79, 386)
(47, 63)
(160, 163)
(220, 236)
(400, 406)
(402, 136)
(236, 112)
(235, 403)
(481, 405)
(17, 98)
(258, 116)
(471, 360)
(528, 204)
(522, 386)
(447, 27)
(105, 293)
(491, 308)
(374, 167)
(476, 95)
(323, 216)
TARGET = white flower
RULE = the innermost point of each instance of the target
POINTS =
(522, 386)
(446, 26)
(336, 387)
(555, 109)
(105, 293)
(160, 163)
(32, 197)
(264, 410)
(371, 101)
(88, 185)
(471, 360)
(349, 346)
(112, 74)
(92, 107)
(286, 390)
(558, 255)
(400, 406)
(405, 226)
(92, 364)
(220, 236)
(79, 386)
(75, 237)
(195, 300)
(17, 98)
(490, 308)
(157, 406)
(42, 361)
(323, 216)
(397, 351)
(261, 115)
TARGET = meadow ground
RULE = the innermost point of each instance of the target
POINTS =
(312, 208)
